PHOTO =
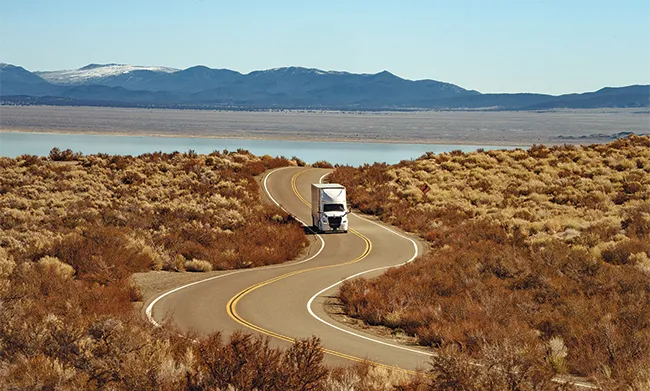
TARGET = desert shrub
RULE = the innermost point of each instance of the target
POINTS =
(502, 366)
(40, 372)
(29, 160)
(299, 162)
(58, 155)
(249, 363)
(174, 264)
(7, 266)
(322, 164)
(102, 254)
(197, 265)
(637, 223)
(6, 263)
(72, 234)
(254, 168)
(620, 253)
(150, 209)
(548, 244)
(278, 161)
(52, 265)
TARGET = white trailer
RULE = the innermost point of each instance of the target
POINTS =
(329, 209)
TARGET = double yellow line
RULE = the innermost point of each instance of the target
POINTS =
(231, 307)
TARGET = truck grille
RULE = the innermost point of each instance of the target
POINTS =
(335, 222)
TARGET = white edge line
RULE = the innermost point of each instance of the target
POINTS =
(311, 300)
(309, 303)
(149, 310)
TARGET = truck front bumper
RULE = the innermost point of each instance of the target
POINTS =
(325, 227)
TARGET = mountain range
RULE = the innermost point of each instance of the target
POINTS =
(281, 88)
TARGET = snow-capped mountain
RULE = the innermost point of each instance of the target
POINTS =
(292, 71)
(96, 73)
(289, 87)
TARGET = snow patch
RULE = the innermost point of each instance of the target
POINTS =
(97, 71)
(296, 70)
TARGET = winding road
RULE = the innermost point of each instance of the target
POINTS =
(287, 301)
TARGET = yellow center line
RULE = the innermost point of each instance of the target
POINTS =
(231, 307)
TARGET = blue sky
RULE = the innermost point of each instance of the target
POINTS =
(492, 45)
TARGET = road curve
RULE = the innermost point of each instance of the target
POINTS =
(286, 301)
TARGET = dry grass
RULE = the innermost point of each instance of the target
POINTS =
(197, 265)
(545, 244)
(75, 228)
(147, 212)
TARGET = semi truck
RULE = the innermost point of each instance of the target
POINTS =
(329, 209)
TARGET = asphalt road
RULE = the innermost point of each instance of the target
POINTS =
(286, 301)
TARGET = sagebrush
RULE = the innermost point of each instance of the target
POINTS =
(531, 246)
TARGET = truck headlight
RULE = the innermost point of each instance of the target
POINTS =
(324, 219)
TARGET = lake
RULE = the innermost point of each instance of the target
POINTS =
(352, 153)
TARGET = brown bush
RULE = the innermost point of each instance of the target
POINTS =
(502, 367)
(547, 244)
(67, 155)
(197, 265)
(620, 252)
(72, 234)
(97, 214)
(322, 164)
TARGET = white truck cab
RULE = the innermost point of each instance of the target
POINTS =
(329, 209)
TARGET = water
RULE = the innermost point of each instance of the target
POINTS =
(352, 153)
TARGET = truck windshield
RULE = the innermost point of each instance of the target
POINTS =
(333, 208)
